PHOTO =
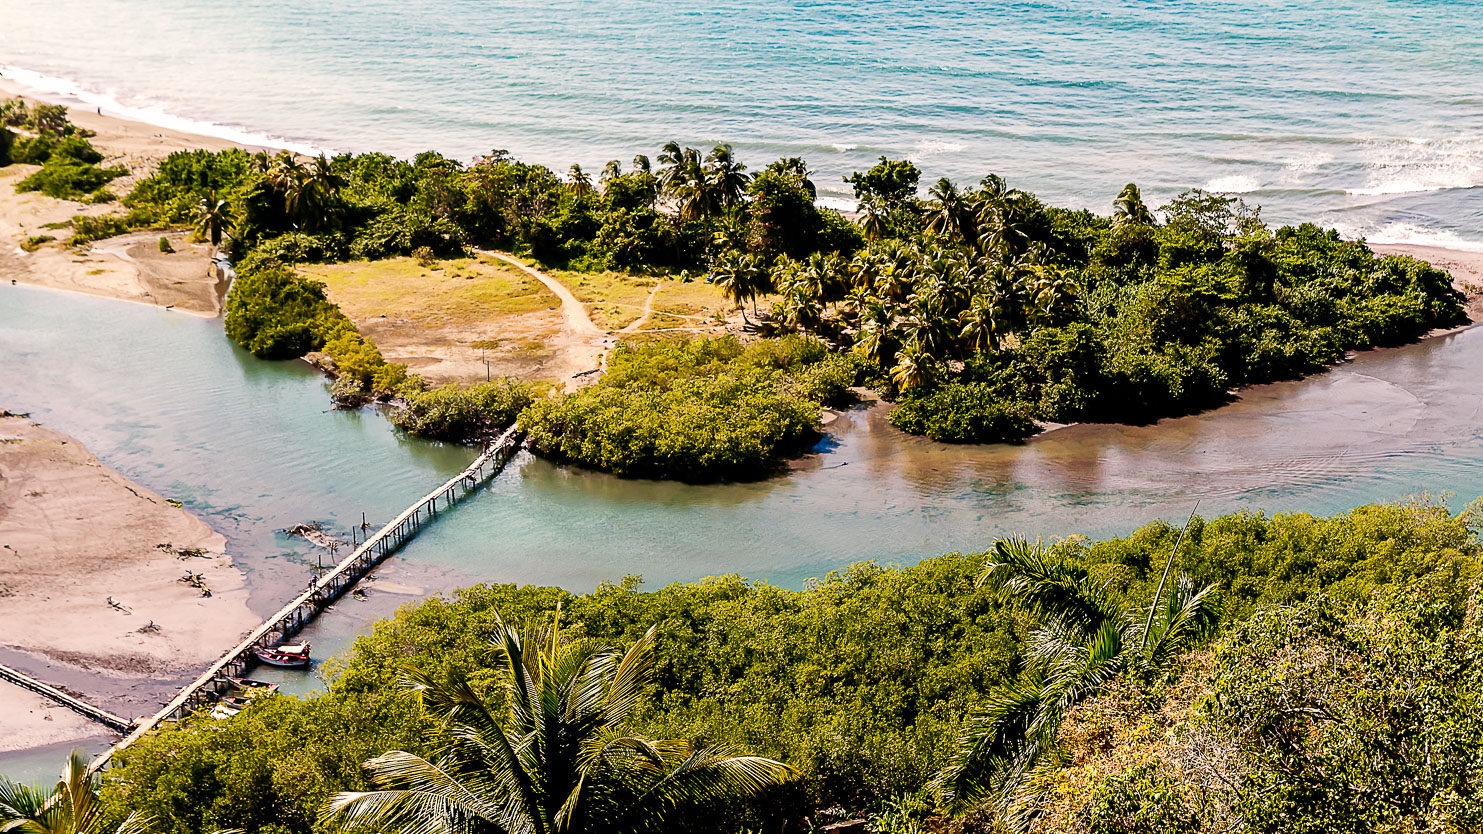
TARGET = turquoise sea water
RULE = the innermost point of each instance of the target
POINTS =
(1365, 114)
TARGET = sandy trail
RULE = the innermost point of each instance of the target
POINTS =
(582, 345)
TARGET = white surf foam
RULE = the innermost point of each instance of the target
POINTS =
(1415, 165)
(66, 91)
(1233, 184)
(1409, 234)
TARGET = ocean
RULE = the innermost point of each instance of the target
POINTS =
(1364, 115)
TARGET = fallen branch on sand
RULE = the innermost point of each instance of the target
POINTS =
(197, 581)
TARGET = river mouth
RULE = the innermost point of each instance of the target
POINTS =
(253, 448)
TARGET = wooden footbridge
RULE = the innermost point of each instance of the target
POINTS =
(86, 710)
(292, 617)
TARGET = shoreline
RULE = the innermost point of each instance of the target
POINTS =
(94, 597)
(127, 267)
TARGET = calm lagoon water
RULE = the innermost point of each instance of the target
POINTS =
(251, 447)
(1363, 114)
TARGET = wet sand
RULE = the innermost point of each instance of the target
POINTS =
(90, 575)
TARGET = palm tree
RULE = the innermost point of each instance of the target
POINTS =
(641, 164)
(873, 218)
(982, 324)
(1089, 636)
(1128, 209)
(948, 209)
(212, 218)
(725, 177)
(733, 274)
(555, 760)
(794, 168)
(914, 368)
(577, 181)
(610, 171)
(71, 807)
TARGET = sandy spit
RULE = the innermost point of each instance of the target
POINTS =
(91, 597)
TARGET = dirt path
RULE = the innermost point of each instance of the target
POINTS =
(645, 315)
(582, 345)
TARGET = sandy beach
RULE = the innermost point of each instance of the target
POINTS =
(90, 574)
(132, 267)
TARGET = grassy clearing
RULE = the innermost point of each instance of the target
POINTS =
(615, 300)
(448, 293)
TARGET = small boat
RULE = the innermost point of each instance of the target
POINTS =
(249, 684)
(292, 657)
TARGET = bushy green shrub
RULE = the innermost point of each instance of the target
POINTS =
(70, 171)
(698, 410)
(964, 413)
(460, 413)
(277, 315)
(700, 429)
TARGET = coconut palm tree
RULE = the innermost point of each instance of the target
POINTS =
(556, 759)
(948, 210)
(734, 274)
(212, 218)
(577, 181)
(610, 171)
(914, 368)
(71, 807)
(983, 322)
(873, 218)
(642, 165)
(796, 169)
(725, 177)
(1090, 635)
(1129, 210)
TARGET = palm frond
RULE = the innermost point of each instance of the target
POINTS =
(991, 739)
(1050, 585)
(1186, 615)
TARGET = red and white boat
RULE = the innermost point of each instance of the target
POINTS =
(295, 656)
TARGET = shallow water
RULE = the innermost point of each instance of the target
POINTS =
(1365, 114)
(252, 448)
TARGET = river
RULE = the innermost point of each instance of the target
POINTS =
(253, 447)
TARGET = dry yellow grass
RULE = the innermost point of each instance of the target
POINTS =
(457, 320)
(616, 300)
(453, 292)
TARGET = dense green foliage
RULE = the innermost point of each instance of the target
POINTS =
(984, 306)
(551, 751)
(862, 680)
(458, 413)
(699, 410)
(985, 311)
(69, 163)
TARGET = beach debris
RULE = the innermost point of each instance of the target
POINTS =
(183, 553)
(5, 412)
(197, 581)
(150, 628)
(314, 534)
(118, 606)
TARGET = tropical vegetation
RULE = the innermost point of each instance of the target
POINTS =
(982, 311)
(69, 162)
(1308, 674)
